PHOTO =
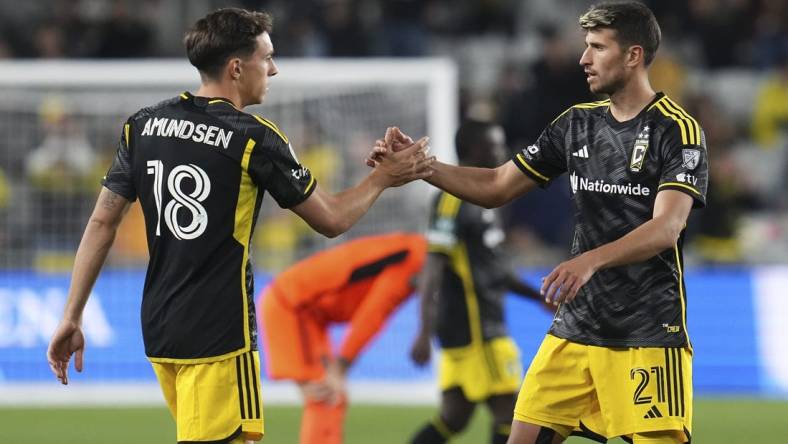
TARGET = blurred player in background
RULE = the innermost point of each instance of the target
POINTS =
(617, 360)
(200, 167)
(360, 283)
(462, 289)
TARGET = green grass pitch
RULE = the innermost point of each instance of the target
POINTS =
(724, 420)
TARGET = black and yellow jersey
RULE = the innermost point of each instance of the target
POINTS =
(470, 300)
(200, 168)
(615, 171)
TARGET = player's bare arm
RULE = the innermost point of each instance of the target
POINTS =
(333, 214)
(429, 285)
(96, 242)
(486, 187)
(671, 209)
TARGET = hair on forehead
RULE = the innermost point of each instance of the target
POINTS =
(633, 22)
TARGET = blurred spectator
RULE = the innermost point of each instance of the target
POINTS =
(404, 30)
(123, 36)
(343, 29)
(723, 29)
(61, 170)
(770, 44)
(48, 41)
(770, 113)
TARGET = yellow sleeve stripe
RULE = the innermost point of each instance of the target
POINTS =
(680, 110)
(310, 185)
(126, 128)
(677, 184)
(272, 126)
(587, 105)
(184, 96)
(449, 205)
(679, 120)
(529, 168)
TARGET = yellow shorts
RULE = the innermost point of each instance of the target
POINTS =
(492, 368)
(607, 392)
(216, 401)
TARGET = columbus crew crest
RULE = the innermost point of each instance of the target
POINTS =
(639, 150)
(690, 158)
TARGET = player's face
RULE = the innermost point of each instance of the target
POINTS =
(604, 62)
(257, 69)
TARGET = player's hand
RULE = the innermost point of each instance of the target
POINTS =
(336, 380)
(420, 350)
(406, 165)
(317, 391)
(563, 283)
(66, 341)
(394, 140)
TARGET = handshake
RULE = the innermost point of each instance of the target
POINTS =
(399, 160)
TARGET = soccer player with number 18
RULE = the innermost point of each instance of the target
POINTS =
(200, 166)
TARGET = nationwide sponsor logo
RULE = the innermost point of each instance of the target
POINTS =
(580, 183)
(639, 150)
(582, 152)
(687, 178)
(690, 158)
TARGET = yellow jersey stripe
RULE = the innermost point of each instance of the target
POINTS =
(462, 266)
(449, 205)
(126, 128)
(184, 96)
(678, 184)
(273, 127)
(211, 102)
(529, 168)
(689, 117)
(690, 127)
(680, 267)
(310, 185)
(680, 120)
(242, 232)
(586, 105)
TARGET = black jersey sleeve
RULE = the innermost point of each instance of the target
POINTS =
(119, 178)
(274, 167)
(545, 159)
(685, 166)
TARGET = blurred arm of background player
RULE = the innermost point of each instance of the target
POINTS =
(429, 285)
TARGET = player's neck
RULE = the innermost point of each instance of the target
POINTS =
(629, 101)
(218, 89)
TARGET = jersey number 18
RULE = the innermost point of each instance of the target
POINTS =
(190, 201)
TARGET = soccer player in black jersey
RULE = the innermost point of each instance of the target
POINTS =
(200, 167)
(462, 289)
(617, 360)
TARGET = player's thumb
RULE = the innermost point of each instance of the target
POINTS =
(419, 145)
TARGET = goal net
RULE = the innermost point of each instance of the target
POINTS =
(59, 125)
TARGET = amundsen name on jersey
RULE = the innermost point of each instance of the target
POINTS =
(580, 183)
(185, 129)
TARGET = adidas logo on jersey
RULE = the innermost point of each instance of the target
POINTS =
(582, 152)
(653, 413)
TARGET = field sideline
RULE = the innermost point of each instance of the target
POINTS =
(717, 421)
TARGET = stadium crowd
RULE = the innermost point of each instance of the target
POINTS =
(725, 60)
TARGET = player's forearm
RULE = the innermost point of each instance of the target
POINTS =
(640, 244)
(348, 206)
(91, 254)
(431, 280)
(520, 288)
(474, 185)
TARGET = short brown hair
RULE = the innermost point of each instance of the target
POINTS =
(222, 34)
(633, 22)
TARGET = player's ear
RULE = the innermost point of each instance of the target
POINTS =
(234, 68)
(634, 55)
